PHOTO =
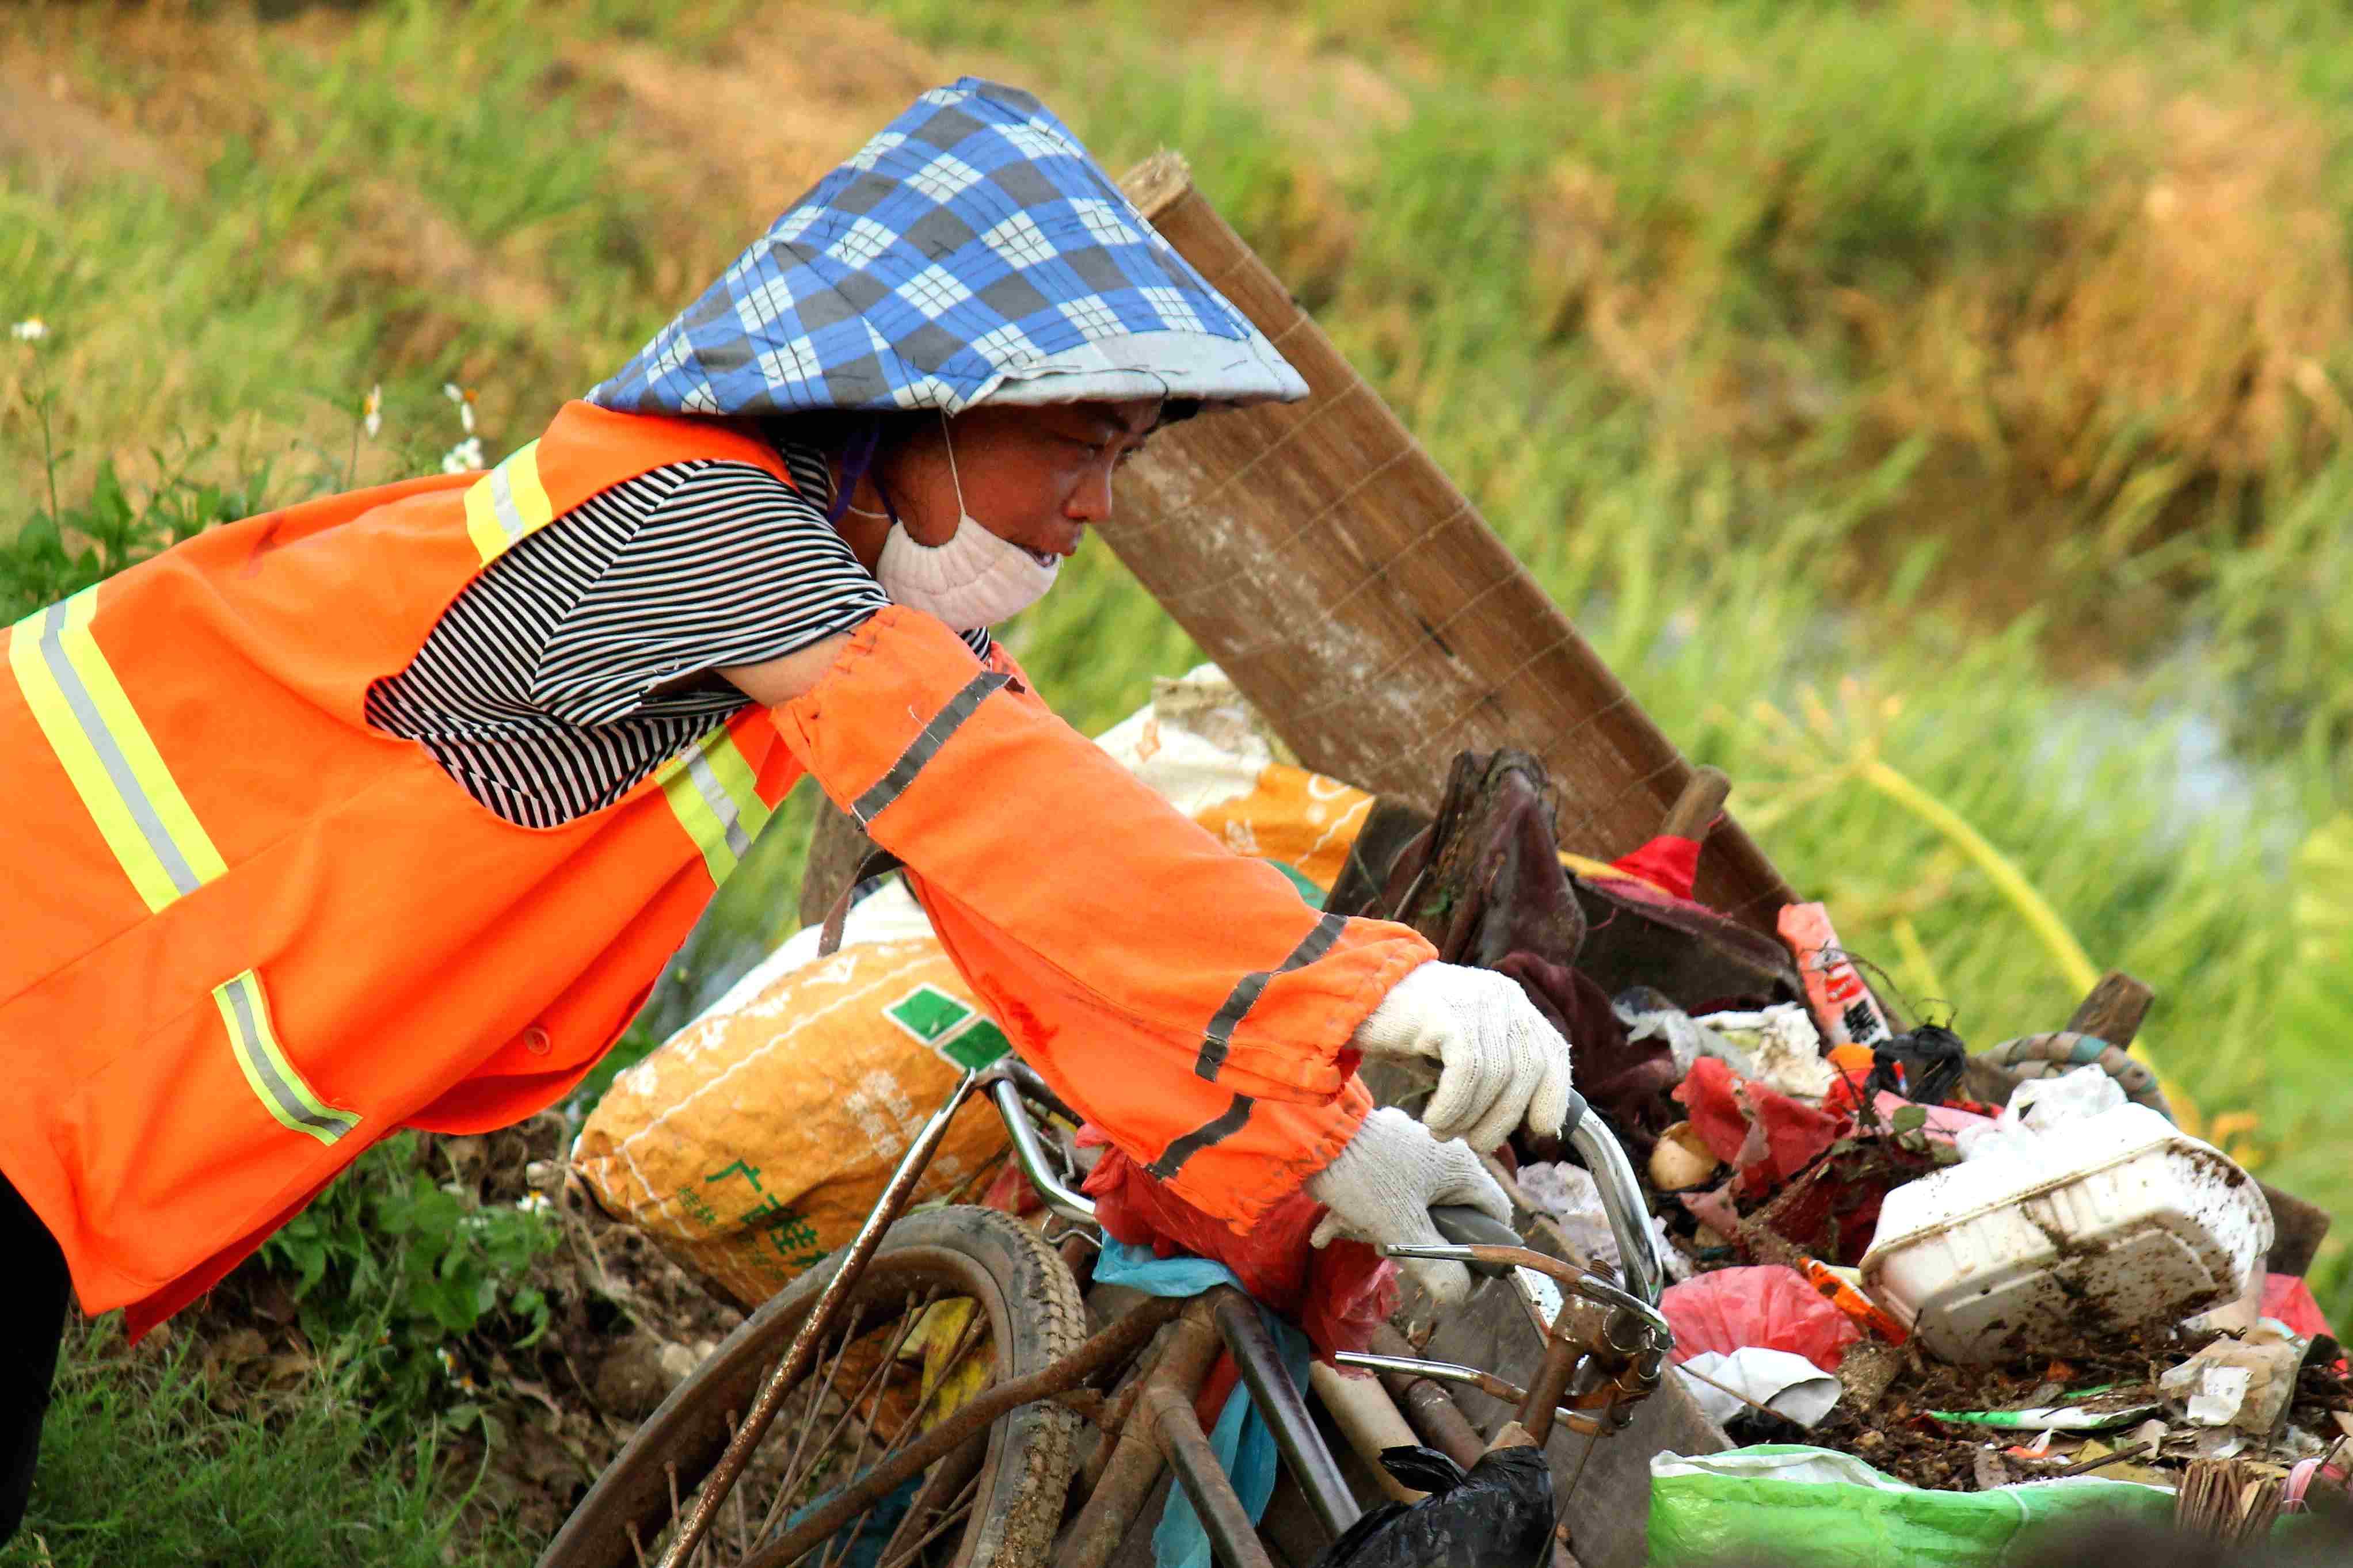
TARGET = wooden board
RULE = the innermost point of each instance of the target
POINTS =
(1321, 557)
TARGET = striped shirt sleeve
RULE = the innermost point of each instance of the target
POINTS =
(733, 566)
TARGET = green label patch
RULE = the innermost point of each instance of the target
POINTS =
(958, 1033)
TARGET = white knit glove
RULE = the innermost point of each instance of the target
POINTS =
(1499, 1062)
(1384, 1183)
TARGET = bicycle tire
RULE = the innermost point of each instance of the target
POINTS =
(1036, 1316)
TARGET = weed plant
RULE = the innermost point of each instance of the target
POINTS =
(396, 1262)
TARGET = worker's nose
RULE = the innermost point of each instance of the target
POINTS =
(1091, 503)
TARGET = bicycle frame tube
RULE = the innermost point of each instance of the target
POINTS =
(1285, 1412)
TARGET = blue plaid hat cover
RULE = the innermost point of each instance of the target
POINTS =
(973, 251)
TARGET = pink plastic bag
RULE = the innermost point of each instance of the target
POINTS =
(2287, 1297)
(1769, 1306)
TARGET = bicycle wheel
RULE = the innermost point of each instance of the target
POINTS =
(953, 1301)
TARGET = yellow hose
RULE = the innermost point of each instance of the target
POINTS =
(2031, 906)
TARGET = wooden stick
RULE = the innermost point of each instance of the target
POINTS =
(2114, 1009)
(1696, 809)
(2086, 1466)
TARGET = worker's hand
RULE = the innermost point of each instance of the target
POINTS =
(1499, 1062)
(1384, 1185)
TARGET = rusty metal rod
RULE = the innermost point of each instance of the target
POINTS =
(1231, 1534)
(1134, 1468)
(1486, 1383)
(1285, 1412)
(813, 1329)
(1114, 1423)
(1062, 1377)
(1429, 1410)
(1545, 1389)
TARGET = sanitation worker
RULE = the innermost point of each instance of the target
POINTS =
(387, 809)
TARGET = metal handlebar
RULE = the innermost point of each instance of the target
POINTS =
(1008, 1080)
(1621, 1201)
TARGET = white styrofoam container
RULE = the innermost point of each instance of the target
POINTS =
(2115, 1222)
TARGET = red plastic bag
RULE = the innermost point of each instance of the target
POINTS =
(1769, 1306)
(1339, 1295)
(2287, 1297)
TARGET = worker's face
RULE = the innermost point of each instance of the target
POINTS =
(1036, 476)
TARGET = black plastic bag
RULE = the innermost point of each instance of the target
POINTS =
(1924, 1067)
(1498, 1515)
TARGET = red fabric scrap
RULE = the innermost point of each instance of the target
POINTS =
(1339, 1295)
(1666, 862)
(1768, 1306)
(1766, 1138)
(1760, 1132)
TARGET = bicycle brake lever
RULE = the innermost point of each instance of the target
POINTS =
(1466, 1226)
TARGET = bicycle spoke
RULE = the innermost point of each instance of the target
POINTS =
(881, 1370)
(867, 1427)
(955, 1515)
(790, 1484)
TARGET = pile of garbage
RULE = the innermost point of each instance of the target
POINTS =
(1966, 1293)
(1965, 1272)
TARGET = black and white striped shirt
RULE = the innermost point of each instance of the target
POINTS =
(535, 689)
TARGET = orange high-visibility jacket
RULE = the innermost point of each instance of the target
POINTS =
(247, 934)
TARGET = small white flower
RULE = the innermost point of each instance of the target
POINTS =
(31, 330)
(465, 455)
(534, 1203)
(463, 397)
(372, 411)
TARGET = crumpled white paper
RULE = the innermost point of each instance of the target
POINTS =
(1782, 1381)
(1783, 1047)
(2212, 1392)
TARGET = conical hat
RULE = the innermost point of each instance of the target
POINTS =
(972, 252)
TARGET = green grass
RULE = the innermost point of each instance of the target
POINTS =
(1619, 267)
(137, 1465)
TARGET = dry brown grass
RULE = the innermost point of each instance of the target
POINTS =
(2177, 331)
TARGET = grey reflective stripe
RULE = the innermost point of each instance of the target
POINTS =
(109, 753)
(723, 805)
(502, 503)
(1246, 992)
(1171, 1160)
(293, 1106)
(875, 801)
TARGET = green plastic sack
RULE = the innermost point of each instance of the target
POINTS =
(1829, 1509)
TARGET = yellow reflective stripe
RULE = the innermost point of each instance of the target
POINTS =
(108, 754)
(711, 790)
(246, 1013)
(507, 503)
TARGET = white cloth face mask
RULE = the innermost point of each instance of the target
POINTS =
(974, 580)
